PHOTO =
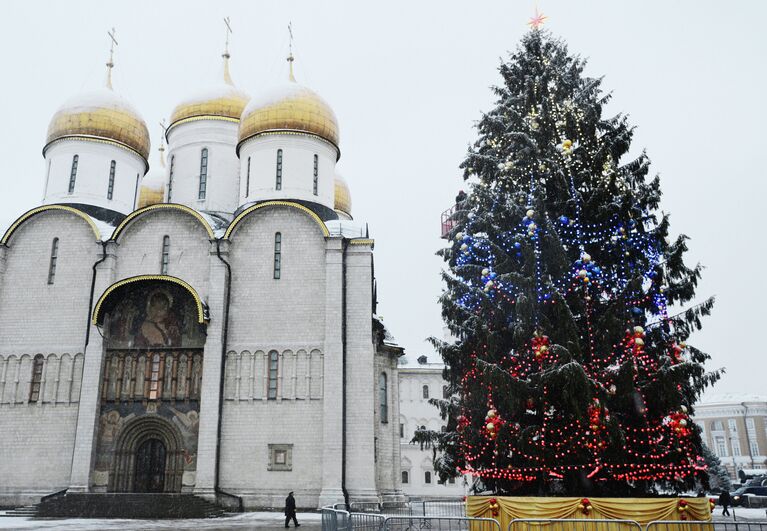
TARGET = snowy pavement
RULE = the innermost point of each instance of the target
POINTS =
(740, 514)
(254, 520)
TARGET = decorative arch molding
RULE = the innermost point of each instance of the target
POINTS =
(132, 435)
(47, 208)
(160, 207)
(98, 315)
(265, 204)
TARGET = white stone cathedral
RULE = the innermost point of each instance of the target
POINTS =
(205, 326)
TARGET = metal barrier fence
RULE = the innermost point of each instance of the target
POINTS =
(575, 524)
(439, 523)
(737, 525)
(335, 519)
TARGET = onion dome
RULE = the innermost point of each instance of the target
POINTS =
(152, 189)
(343, 197)
(289, 108)
(100, 115)
(222, 101)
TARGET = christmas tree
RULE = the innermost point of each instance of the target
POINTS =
(571, 374)
(718, 478)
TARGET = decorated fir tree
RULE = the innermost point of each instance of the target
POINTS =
(571, 373)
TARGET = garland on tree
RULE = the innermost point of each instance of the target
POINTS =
(569, 373)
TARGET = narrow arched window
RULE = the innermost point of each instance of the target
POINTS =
(111, 187)
(405, 476)
(170, 177)
(165, 255)
(445, 394)
(203, 174)
(316, 174)
(73, 173)
(278, 179)
(247, 180)
(277, 255)
(54, 259)
(427, 477)
(37, 378)
(426, 391)
(274, 364)
(383, 398)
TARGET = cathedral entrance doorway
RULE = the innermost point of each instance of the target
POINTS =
(150, 467)
(149, 457)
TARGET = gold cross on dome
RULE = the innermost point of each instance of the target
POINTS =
(537, 21)
(111, 62)
(229, 31)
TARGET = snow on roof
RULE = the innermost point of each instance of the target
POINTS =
(731, 398)
(105, 229)
(218, 221)
(102, 98)
(346, 227)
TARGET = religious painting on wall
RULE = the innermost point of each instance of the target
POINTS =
(152, 315)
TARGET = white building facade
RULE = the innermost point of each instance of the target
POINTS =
(735, 428)
(417, 385)
(207, 326)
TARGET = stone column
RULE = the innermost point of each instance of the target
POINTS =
(88, 407)
(332, 401)
(210, 396)
(362, 388)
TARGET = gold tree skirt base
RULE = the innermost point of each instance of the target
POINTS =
(641, 510)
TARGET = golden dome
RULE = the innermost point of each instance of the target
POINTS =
(291, 107)
(221, 102)
(101, 115)
(343, 197)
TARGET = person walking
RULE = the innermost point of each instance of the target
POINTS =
(726, 500)
(290, 510)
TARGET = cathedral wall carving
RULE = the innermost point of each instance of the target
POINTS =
(298, 377)
(59, 380)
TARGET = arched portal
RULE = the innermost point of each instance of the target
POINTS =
(151, 378)
(149, 457)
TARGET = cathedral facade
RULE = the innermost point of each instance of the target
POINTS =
(206, 325)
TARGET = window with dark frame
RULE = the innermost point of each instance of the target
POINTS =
(203, 174)
(170, 177)
(54, 259)
(277, 255)
(401, 430)
(111, 187)
(383, 398)
(316, 173)
(37, 378)
(274, 363)
(425, 391)
(427, 477)
(73, 173)
(278, 178)
(165, 255)
(405, 476)
(247, 180)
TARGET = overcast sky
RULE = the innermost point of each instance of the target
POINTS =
(407, 81)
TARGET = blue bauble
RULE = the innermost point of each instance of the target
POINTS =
(517, 245)
(564, 220)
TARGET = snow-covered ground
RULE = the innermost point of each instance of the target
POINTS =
(741, 514)
(260, 520)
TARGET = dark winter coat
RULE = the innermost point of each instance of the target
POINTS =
(725, 499)
(290, 505)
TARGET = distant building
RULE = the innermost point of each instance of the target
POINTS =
(735, 428)
(417, 384)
